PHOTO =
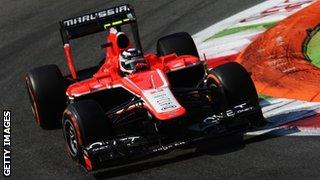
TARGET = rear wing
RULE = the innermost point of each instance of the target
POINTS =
(96, 22)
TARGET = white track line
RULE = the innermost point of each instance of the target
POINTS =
(224, 24)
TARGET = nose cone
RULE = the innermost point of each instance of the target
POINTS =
(163, 104)
(153, 88)
(169, 115)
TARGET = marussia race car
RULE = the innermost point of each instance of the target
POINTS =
(166, 101)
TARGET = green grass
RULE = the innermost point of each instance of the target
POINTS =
(264, 97)
(255, 27)
(313, 47)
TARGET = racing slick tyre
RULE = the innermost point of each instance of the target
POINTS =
(180, 43)
(236, 87)
(46, 91)
(83, 123)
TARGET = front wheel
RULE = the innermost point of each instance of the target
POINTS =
(84, 123)
(235, 86)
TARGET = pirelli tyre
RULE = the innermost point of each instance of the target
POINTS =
(83, 123)
(46, 89)
(236, 86)
(180, 43)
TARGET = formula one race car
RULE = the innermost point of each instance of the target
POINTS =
(135, 105)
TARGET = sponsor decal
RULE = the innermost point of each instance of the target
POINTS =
(110, 145)
(96, 15)
(6, 143)
(162, 99)
(95, 144)
(241, 108)
(170, 146)
(168, 107)
(100, 146)
(216, 118)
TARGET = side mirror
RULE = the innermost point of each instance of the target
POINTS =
(108, 44)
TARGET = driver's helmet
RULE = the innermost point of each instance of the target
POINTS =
(130, 60)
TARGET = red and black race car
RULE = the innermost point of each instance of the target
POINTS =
(133, 104)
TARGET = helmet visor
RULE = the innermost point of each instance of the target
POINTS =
(130, 65)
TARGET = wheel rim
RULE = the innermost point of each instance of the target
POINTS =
(217, 94)
(71, 138)
(211, 84)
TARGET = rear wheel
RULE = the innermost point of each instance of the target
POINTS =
(84, 123)
(46, 89)
(236, 86)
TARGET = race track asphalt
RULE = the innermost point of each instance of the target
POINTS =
(29, 37)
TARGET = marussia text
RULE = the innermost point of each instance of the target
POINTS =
(6, 143)
(93, 16)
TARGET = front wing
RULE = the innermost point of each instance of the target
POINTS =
(133, 148)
